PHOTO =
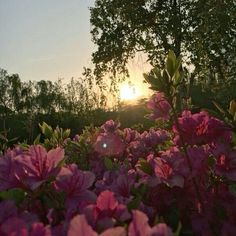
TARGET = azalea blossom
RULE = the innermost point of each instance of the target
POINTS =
(110, 126)
(131, 135)
(37, 166)
(12, 223)
(79, 226)
(165, 171)
(17, 226)
(106, 211)
(178, 160)
(10, 169)
(140, 227)
(109, 144)
(226, 165)
(153, 137)
(200, 128)
(159, 106)
(75, 184)
(188, 172)
(8, 210)
(119, 182)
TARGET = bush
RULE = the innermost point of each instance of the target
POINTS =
(176, 180)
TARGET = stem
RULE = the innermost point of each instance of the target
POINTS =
(197, 191)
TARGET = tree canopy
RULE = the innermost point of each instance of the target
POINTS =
(76, 96)
(202, 32)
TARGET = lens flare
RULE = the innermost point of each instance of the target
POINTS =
(129, 92)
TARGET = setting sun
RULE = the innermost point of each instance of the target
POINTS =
(129, 92)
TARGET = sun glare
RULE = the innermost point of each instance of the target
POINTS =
(129, 92)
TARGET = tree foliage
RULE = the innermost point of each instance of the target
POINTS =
(202, 32)
(23, 103)
(76, 96)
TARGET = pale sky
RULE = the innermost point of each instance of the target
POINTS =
(45, 39)
(50, 39)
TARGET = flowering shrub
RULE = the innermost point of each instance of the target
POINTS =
(146, 188)
(179, 180)
(159, 106)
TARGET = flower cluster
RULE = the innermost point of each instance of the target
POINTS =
(159, 106)
(180, 181)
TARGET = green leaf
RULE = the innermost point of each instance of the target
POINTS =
(3, 138)
(166, 76)
(15, 194)
(66, 133)
(218, 107)
(37, 140)
(108, 163)
(46, 130)
(155, 79)
(172, 218)
(211, 161)
(134, 204)
(177, 232)
(62, 162)
(24, 146)
(171, 63)
(232, 107)
(232, 189)
(145, 167)
(178, 77)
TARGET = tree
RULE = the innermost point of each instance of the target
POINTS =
(83, 94)
(202, 32)
(5, 100)
(45, 96)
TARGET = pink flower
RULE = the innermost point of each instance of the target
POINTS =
(130, 135)
(76, 138)
(17, 226)
(38, 229)
(159, 106)
(7, 173)
(14, 226)
(140, 227)
(39, 166)
(136, 149)
(123, 184)
(75, 184)
(154, 137)
(226, 165)
(200, 128)
(79, 226)
(197, 157)
(116, 231)
(106, 211)
(8, 210)
(165, 171)
(120, 182)
(9, 167)
(109, 144)
(110, 126)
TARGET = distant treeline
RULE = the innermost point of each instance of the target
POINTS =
(24, 104)
(46, 97)
(79, 103)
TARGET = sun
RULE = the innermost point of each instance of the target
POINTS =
(129, 92)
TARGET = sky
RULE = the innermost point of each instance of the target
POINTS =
(45, 39)
(50, 39)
